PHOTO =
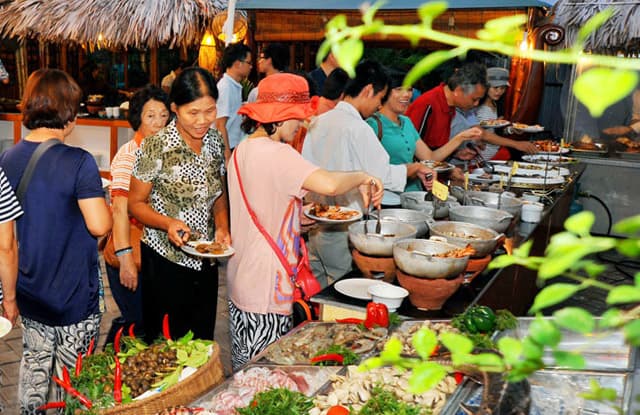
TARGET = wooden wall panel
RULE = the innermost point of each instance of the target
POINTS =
(308, 25)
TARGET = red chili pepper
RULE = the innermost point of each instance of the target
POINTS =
(459, 377)
(92, 343)
(116, 340)
(79, 364)
(377, 315)
(333, 357)
(65, 375)
(165, 327)
(435, 350)
(52, 405)
(73, 392)
(117, 382)
(350, 320)
(132, 334)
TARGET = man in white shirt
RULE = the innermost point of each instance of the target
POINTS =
(340, 139)
(236, 62)
(167, 81)
(274, 58)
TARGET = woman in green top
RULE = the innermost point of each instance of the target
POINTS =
(398, 135)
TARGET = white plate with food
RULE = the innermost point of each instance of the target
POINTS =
(208, 249)
(550, 180)
(5, 326)
(548, 158)
(332, 213)
(438, 166)
(494, 123)
(356, 287)
(532, 169)
(550, 147)
(526, 128)
(484, 177)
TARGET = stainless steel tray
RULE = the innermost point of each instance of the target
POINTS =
(303, 342)
(308, 380)
(607, 353)
(556, 393)
(600, 152)
(628, 155)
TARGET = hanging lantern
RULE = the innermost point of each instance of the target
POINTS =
(239, 31)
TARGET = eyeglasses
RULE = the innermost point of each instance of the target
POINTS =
(247, 62)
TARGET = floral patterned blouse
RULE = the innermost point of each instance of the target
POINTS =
(185, 185)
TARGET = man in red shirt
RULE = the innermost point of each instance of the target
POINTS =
(433, 111)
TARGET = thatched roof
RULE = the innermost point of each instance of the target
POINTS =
(621, 33)
(110, 23)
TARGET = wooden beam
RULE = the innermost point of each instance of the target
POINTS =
(154, 76)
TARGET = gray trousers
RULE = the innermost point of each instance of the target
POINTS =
(46, 349)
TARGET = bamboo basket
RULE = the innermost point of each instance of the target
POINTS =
(185, 392)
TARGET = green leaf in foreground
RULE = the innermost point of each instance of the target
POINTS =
(580, 223)
(552, 295)
(544, 332)
(624, 294)
(576, 319)
(593, 24)
(599, 88)
(426, 376)
(628, 226)
(569, 360)
(632, 332)
(424, 341)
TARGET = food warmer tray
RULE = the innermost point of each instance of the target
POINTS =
(628, 155)
(270, 354)
(318, 376)
(556, 393)
(600, 152)
(603, 353)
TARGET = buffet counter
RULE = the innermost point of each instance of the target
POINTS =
(512, 288)
(613, 181)
(100, 136)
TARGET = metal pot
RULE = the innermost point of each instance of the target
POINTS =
(495, 219)
(363, 238)
(412, 217)
(415, 201)
(489, 199)
(414, 257)
(482, 239)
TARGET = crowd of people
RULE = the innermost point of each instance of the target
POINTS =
(204, 163)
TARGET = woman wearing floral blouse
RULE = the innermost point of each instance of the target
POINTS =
(177, 184)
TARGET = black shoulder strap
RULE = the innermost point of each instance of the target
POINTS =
(423, 124)
(31, 166)
(379, 125)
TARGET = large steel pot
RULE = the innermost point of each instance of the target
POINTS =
(414, 257)
(495, 219)
(363, 237)
(510, 204)
(412, 217)
(415, 201)
(482, 239)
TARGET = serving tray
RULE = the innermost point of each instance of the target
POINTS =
(303, 342)
(605, 352)
(556, 393)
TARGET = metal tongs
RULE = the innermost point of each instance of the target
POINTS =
(479, 159)
(378, 224)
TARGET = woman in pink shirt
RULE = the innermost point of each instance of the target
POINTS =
(274, 178)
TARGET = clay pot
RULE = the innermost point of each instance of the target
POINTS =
(426, 293)
(374, 265)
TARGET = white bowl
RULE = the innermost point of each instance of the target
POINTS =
(532, 212)
(387, 294)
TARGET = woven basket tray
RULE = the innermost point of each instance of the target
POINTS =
(183, 393)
